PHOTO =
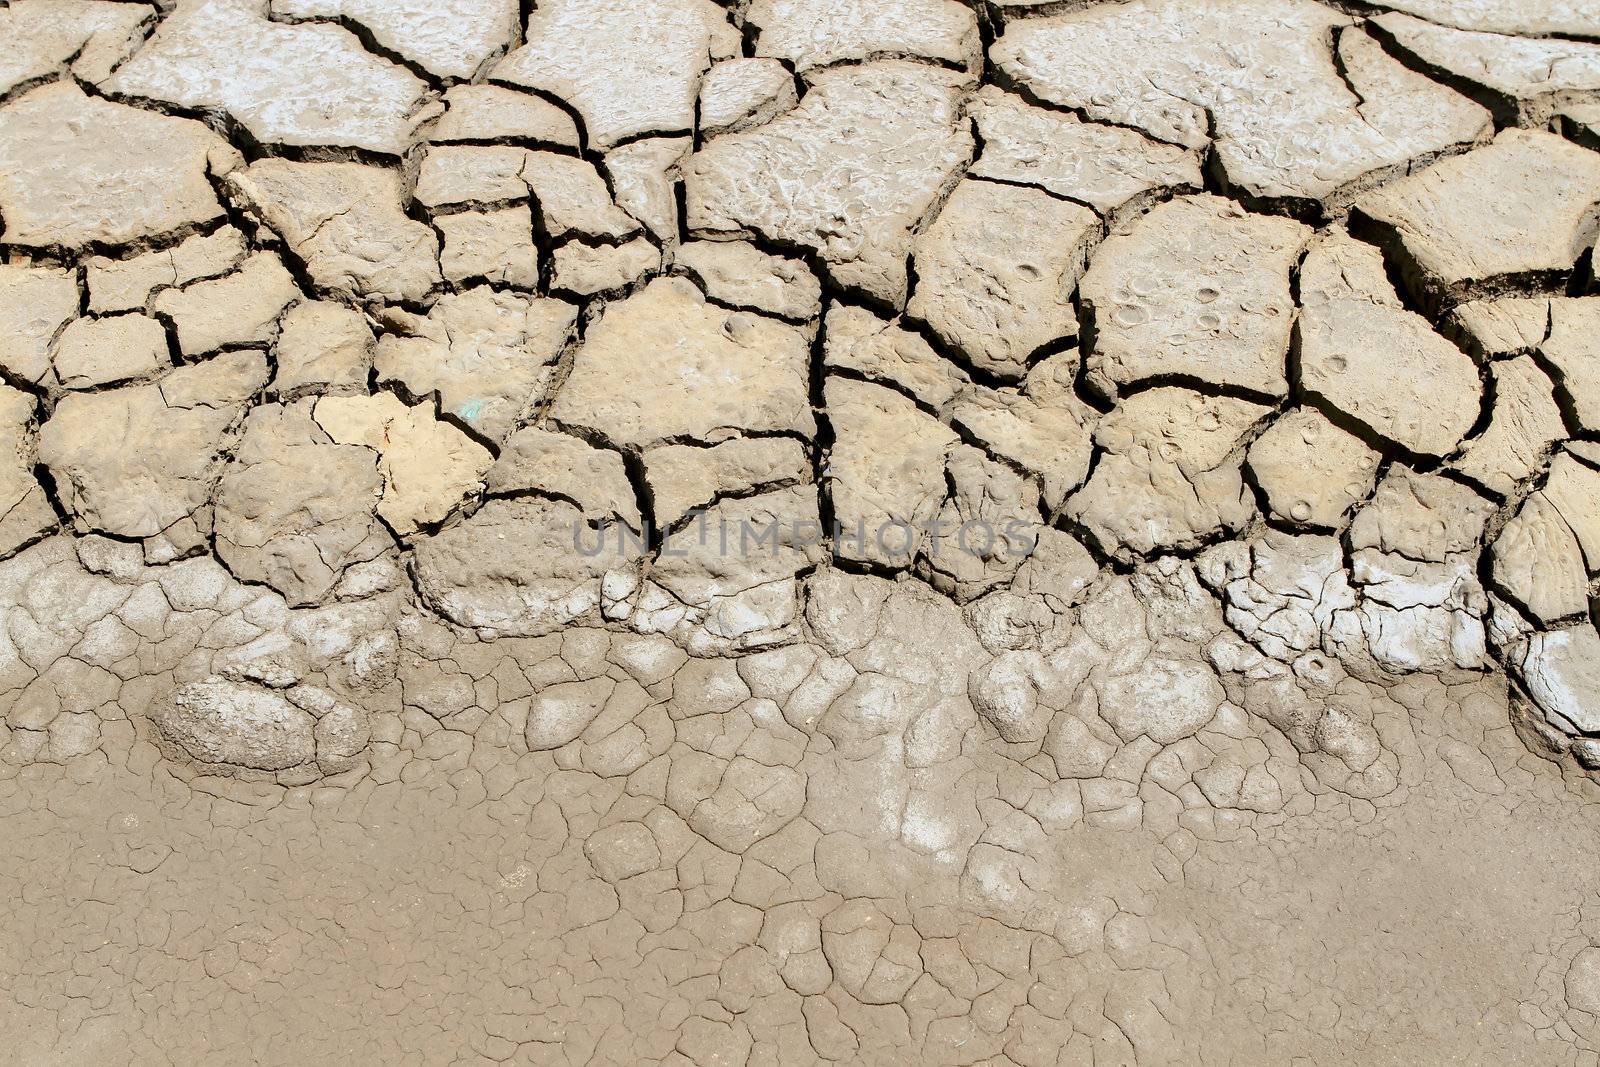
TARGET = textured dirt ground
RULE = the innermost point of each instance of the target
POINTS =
(799, 531)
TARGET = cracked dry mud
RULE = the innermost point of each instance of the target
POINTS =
(1161, 448)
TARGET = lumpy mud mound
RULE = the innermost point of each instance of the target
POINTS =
(783, 532)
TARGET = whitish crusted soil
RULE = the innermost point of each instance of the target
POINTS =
(799, 531)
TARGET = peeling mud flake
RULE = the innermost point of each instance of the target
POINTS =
(1525, 206)
(1289, 119)
(664, 364)
(644, 181)
(488, 356)
(996, 272)
(1526, 81)
(496, 246)
(1539, 562)
(1386, 369)
(134, 462)
(1562, 672)
(96, 352)
(1197, 289)
(1525, 424)
(1573, 489)
(304, 85)
(737, 94)
(566, 467)
(449, 40)
(1572, 326)
(886, 470)
(625, 71)
(77, 170)
(811, 33)
(87, 37)
(346, 222)
(741, 275)
(35, 303)
(429, 467)
(1106, 167)
(495, 113)
(1533, 18)
(518, 568)
(25, 511)
(574, 199)
(1313, 472)
(294, 510)
(1172, 477)
(849, 173)
(1581, 123)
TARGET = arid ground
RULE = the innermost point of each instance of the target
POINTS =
(784, 532)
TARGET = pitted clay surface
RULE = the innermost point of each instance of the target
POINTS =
(707, 532)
